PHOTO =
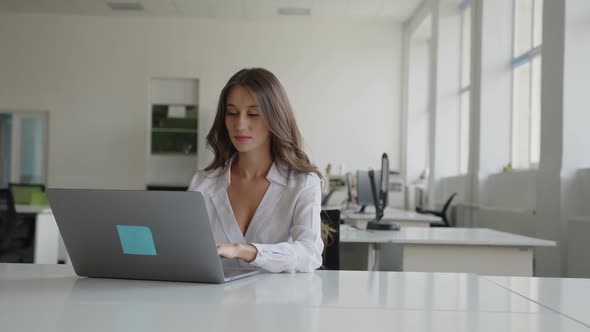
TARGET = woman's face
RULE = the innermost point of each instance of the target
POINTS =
(245, 124)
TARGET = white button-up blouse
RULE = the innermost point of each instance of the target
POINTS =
(286, 227)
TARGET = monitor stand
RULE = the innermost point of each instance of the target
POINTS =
(380, 199)
(379, 226)
(362, 210)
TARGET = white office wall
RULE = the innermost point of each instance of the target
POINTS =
(174, 91)
(170, 170)
(513, 190)
(447, 186)
(507, 202)
(92, 74)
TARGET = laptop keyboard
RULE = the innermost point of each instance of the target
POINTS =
(236, 272)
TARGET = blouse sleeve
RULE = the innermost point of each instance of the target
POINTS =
(304, 252)
(194, 181)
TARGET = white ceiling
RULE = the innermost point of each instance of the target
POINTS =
(365, 10)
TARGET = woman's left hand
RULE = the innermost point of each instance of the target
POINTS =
(243, 251)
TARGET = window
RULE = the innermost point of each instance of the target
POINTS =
(23, 147)
(526, 83)
(465, 88)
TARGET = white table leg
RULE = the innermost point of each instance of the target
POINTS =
(46, 239)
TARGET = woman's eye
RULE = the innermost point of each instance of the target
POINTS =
(232, 113)
(252, 114)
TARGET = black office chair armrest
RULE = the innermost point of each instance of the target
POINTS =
(442, 214)
(436, 213)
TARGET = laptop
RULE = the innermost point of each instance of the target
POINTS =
(151, 235)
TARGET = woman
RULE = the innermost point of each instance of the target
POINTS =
(263, 195)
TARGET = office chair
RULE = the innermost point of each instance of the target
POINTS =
(166, 188)
(331, 254)
(16, 234)
(442, 213)
(28, 194)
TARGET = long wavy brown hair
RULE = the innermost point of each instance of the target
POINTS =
(286, 142)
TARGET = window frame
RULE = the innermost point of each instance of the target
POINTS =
(517, 61)
(462, 169)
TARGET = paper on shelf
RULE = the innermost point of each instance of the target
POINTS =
(176, 111)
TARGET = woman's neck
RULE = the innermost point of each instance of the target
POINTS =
(251, 165)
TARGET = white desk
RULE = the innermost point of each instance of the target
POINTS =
(31, 209)
(473, 250)
(567, 296)
(48, 247)
(50, 298)
(390, 215)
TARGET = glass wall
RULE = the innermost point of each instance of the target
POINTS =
(32, 135)
(5, 148)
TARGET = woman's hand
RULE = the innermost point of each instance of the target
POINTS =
(243, 251)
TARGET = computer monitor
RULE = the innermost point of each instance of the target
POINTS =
(384, 183)
(363, 187)
(350, 198)
(380, 193)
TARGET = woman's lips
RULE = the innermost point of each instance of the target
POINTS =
(242, 138)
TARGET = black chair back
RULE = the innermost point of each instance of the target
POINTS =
(16, 231)
(442, 213)
(331, 254)
(8, 219)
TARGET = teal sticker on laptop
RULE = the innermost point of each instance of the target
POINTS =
(137, 240)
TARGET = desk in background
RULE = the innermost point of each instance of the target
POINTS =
(474, 250)
(31, 209)
(391, 215)
(48, 247)
(51, 298)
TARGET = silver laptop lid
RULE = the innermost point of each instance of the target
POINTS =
(154, 235)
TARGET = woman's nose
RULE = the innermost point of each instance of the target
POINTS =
(241, 122)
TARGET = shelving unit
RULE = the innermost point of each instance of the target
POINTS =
(172, 132)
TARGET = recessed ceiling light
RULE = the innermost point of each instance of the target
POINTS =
(125, 6)
(288, 11)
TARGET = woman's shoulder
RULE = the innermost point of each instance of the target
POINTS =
(304, 180)
(204, 179)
